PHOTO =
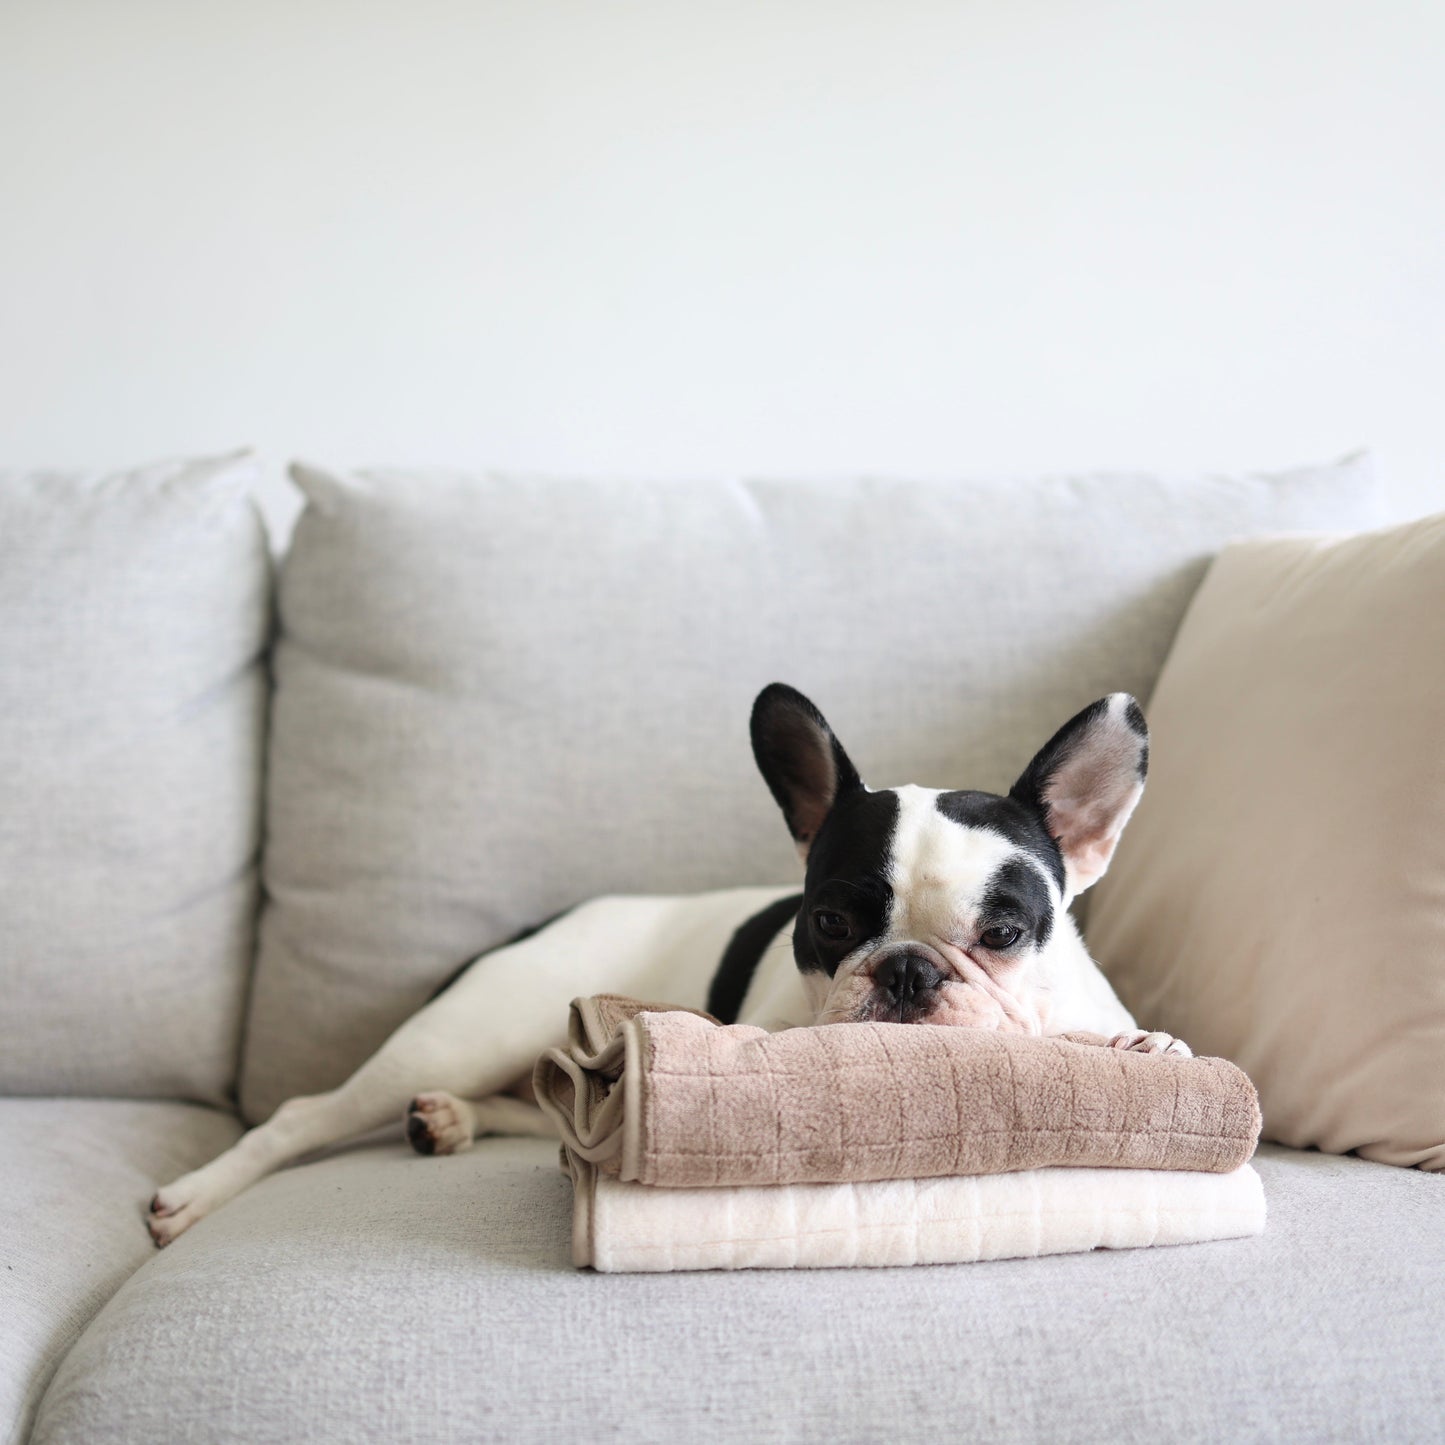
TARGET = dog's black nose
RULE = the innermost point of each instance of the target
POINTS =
(906, 977)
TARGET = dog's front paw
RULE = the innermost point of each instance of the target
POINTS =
(439, 1123)
(1140, 1041)
(175, 1208)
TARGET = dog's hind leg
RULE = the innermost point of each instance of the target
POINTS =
(483, 1034)
(471, 1042)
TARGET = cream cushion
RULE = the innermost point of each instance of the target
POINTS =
(1279, 898)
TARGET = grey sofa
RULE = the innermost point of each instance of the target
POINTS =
(471, 702)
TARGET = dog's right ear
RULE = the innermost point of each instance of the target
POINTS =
(802, 762)
(1086, 782)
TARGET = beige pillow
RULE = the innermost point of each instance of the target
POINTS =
(1280, 896)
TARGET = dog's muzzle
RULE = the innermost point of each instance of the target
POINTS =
(905, 986)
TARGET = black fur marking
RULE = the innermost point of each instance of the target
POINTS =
(1011, 818)
(1018, 897)
(1134, 716)
(457, 972)
(848, 874)
(740, 958)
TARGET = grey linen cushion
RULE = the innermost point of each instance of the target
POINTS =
(134, 607)
(72, 1194)
(499, 696)
(378, 1296)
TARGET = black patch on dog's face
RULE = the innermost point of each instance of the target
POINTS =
(847, 876)
(1021, 824)
(1018, 897)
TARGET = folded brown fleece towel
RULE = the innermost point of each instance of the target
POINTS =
(672, 1097)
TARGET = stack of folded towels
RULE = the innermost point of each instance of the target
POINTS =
(696, 1145)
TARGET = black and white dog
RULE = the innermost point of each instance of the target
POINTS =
(918, 906)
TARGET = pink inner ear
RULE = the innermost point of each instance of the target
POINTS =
(1091, 799)
(1090, 862)
(1087, 823)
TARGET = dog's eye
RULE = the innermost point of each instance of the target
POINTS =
(833, 926)
(1000, 937)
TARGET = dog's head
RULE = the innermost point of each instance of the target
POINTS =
(939, 907)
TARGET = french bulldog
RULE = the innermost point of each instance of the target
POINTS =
(918, 906)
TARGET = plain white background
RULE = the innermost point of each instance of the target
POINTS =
(706, 238)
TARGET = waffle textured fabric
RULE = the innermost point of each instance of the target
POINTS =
(625, 1228)
(1279, 897)
(497, 697)
(677, 1099)
(134, 609)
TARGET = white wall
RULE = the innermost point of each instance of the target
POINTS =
(791, 236)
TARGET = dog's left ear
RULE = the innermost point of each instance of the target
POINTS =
(1086, 781)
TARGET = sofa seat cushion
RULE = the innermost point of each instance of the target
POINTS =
(376, 1295)
(73, 1191)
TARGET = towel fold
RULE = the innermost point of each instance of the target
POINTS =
(673, 1098)
(621, 1227)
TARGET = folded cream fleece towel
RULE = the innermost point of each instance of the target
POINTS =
(674, 1098)
(619, 1227)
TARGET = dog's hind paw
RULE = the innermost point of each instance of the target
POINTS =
(1140, 1041)
(439, 1123)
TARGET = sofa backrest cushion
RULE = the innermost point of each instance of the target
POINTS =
(134, 611)
(499, 696)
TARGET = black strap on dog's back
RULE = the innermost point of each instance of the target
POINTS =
(740, 958)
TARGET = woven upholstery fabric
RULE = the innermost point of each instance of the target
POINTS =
(497, 697)
(77, 1175)
(376, 1295)
(134, 609)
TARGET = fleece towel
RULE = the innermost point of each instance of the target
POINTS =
(620, 1227)
(673, 1098)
